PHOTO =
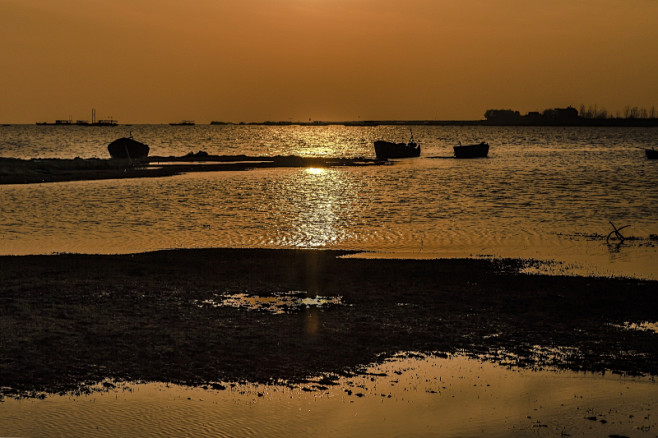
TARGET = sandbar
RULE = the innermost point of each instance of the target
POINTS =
(46, 170)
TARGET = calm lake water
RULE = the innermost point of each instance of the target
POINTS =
(544, 192)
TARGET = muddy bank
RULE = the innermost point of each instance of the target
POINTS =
(18, 171)
(184, 316)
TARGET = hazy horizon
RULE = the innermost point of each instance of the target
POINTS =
(251, 61)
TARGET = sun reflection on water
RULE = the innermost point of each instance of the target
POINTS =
(316, 206)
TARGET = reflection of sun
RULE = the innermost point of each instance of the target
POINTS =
(315, 207)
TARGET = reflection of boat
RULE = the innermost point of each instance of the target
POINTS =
(471, 150)
(126, 147)
(387, 149)
(652, 154)
(183, 123)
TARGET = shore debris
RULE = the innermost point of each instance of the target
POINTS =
(616, 232)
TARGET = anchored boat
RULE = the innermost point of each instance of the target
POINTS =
(386, 149)
(127, 147)
(478, 150)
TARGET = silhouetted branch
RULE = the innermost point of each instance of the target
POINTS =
(616, 232)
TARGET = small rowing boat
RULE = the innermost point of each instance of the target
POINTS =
(126, 147)
(386, 149)
(471, 150)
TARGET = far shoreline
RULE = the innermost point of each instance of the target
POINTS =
(580, 122)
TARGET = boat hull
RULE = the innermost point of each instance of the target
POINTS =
(652, 154)
(479, 150)
(128, 148)
(385, 150)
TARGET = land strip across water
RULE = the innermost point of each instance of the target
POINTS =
(20, 171)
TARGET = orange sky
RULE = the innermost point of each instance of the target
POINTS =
(158, 61)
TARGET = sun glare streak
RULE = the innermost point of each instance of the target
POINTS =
(315, 170)
(318, 206)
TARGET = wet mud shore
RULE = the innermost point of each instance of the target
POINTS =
(18, 171)
(193, 317)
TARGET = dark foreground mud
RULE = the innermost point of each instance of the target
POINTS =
(71, 320)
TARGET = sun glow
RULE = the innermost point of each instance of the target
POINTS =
(315, 170)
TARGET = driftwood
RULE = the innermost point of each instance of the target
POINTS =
(616, 232)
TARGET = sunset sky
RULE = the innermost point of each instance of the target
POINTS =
(159, 61)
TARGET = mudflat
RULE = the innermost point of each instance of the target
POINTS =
(207, 316)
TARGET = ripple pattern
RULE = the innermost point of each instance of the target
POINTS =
(540, 191)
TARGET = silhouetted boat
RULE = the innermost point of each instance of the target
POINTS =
(478, 150)
(126, 147)
(68, 122)
(652, 154)
(108, 122)
(184, 123)
(386, 149)
(94, 122)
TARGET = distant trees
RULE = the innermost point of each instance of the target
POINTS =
(501, 115)
(593, 112)
(547, 117)
(570, 116)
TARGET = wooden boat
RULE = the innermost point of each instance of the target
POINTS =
(652, 154)
(471, 150)
(128, 148)
(386, 149)
(108, 122)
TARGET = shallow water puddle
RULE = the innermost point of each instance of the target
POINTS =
(402, 397)
(278, 303)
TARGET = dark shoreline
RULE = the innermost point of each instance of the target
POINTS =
(68, 321)
(34, 171)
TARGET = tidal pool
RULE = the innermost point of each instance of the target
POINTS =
(277, 303)
(407, 396)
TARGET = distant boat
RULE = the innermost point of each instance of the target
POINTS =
(126, 147)
(478, 150)
(652, 154)
(386, 149)
(108, 122)
(94, 122)
(184, 123)
(68, 122)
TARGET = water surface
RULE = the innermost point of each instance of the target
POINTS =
(403, 397)
(547, 193)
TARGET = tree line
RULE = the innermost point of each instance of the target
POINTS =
(594, 112)
(585, 116)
